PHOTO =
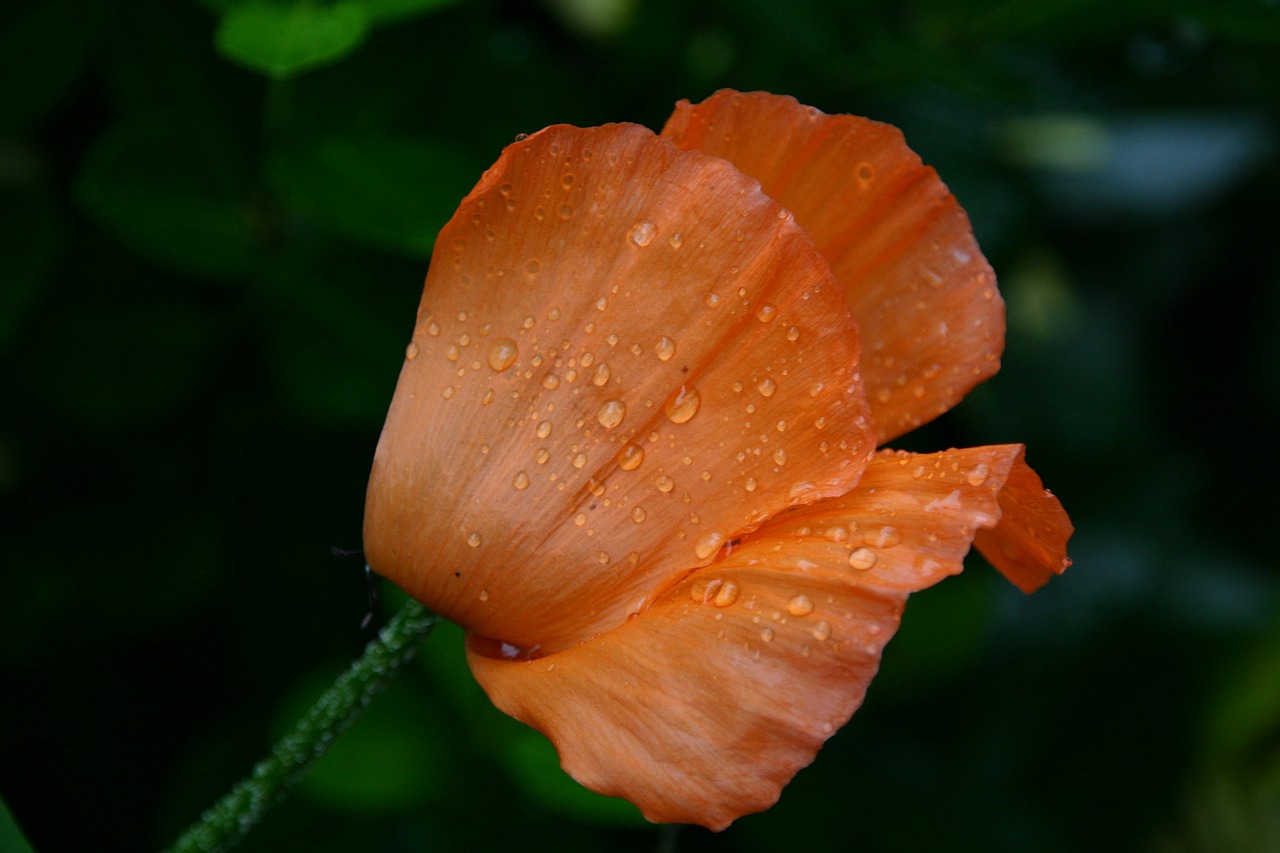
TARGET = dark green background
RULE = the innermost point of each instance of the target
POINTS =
(211, 251)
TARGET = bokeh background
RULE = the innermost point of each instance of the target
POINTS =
(216, 219)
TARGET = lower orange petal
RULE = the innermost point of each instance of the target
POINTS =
(701, 708)
(1029, 545)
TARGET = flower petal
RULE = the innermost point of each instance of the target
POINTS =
(1029, 545)
(625, 355)
(931, 319)
(702, 707)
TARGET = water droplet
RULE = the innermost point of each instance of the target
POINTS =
(601, 376)
(750, 484)
(602, 303)
(448, 392)
(766, 634)
(793, 334)
(708, 544)
(665, 483)
(884, 537)
(580, 519)
(433, 329)
(474, 540)
(566, 211)
(767, 387)
(780, 456)
(800, 605)
(683, 404)
(666, 348)
(579, 460)
(979, 474)
(862, 558)
(835, 534)
(411, 351)
(542, 456)
(630, 456)
(767, 313)
(727, 594)
(452, 353)
(642, 233)
(543, 429)
(611, 413)
(822, 631)
(638, 514)
(602, 558)
(677, 240)
(502, 354)
(566, 180)
(712, 300)
(521, 481)
(551, 382)
(484, 595)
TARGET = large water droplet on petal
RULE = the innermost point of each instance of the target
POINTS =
(727, 594)
(683, 404)
(666, 348)
(502, 354)
(862, 558)
(800, 605)
(611, 413)
(630, 456)
(642, 233)
(708, 544)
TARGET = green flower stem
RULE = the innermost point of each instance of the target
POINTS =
(243, 807)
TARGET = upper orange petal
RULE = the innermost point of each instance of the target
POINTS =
(702, 707)
(625, 355)
(931, 319)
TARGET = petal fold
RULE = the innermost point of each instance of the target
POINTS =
(625, 355)
(925, 298)
(702, 707)
(1029, 545)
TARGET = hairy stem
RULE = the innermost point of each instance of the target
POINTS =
(243, 807)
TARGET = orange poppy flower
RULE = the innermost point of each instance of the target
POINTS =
(633, 446)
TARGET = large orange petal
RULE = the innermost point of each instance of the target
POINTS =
(702, 707)
(625, 355)
(931, 319)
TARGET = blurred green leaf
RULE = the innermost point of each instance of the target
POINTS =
(43, 45)
(281, 40)
(29, 236)
(381, 11)
(394, 193)
(535, 766)
(169, 195)
(116, 367)
(1246, 713)
(390, 760)
(11, 838)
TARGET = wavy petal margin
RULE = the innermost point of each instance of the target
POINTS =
(702, 707)
(931, 318)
